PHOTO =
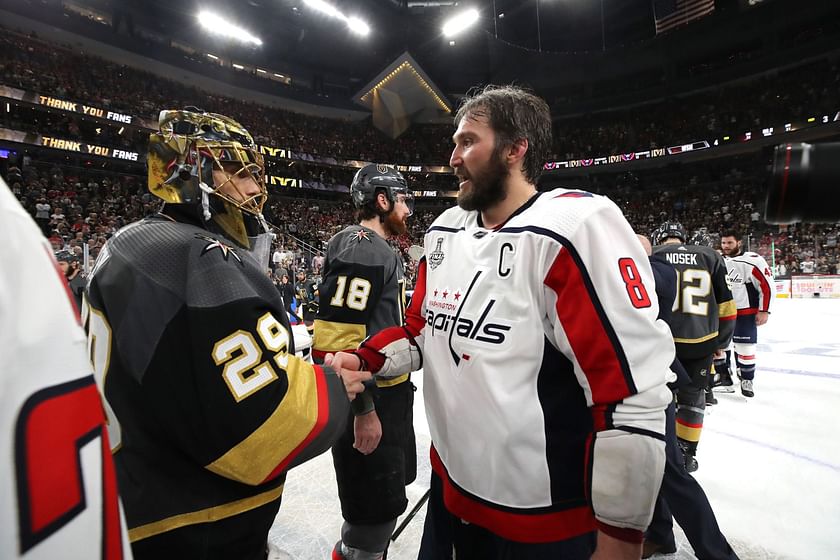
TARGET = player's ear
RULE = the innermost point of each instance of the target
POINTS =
(382, 201)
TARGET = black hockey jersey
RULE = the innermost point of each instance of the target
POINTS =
(362, 292)
(193, 349)
(704, 312)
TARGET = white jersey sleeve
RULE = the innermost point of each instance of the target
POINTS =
(602, 306)
(58, 480)
(761, 278)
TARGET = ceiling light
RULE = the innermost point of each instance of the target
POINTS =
(238, 66)
(358, 26)
(460, 22)
(323, 7)
(219, 26)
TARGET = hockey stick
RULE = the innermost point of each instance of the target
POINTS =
(411, 515)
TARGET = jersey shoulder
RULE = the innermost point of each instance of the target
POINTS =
(563, 211)
(358, 244)
(201, 268)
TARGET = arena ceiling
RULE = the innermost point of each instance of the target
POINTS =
(298, 37)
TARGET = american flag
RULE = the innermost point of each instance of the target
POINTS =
(673, 13)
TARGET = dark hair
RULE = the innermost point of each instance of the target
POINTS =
(730, 233)
(514, 114)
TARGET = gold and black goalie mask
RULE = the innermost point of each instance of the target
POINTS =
(211, 161)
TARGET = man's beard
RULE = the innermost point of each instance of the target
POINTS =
(393, 224)
(488, 186)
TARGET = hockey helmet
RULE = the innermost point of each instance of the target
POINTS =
(374, 177)
(65, 256)
(668, 230)
(701, 239)
(184, 153)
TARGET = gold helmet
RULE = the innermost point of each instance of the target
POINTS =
(183, 156)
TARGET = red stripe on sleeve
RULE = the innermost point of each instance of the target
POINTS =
(765, 289)
(587, 335)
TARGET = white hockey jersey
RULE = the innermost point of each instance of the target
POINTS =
(751, 282)
(58, 482)
(544, 368)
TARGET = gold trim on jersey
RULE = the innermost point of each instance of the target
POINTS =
(727, 309)
(255, 457)
(688, 433)
(391, 381)
(208, 515)
(696, 340)
(331, 336)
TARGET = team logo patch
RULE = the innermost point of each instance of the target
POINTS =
(362, 234)
(381, 168)
(226, 250)
(436, 256)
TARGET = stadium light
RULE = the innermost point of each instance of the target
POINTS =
(460, 22)
(358, 27)
(325, 8)
(219, 26)
(354, 24)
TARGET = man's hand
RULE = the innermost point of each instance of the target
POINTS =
(610, 548)
(368, 431)
(720, 354)
(347, 367)
(761, 318)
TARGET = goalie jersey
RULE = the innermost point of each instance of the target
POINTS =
(208, 405)
(362, 291)
(703, 317)
(544, 368)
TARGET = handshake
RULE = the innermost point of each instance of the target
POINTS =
(348, 367)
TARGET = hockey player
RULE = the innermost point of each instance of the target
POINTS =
(57, 475)
(191, 343)
(702, 324)
(363, 292)
(753, 288)
(681, 495)
(69, 265)
(703, 239)
(544, 365)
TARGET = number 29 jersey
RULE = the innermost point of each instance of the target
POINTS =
(194, 352)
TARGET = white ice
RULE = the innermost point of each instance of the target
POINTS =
(770, 465)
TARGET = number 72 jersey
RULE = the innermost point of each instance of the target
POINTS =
(704, 311)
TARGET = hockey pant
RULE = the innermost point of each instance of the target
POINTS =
(744, 341)
(372, 487)
(691, 402)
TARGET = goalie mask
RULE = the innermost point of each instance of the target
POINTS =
(211, 161)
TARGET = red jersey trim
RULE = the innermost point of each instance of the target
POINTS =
(520, 527)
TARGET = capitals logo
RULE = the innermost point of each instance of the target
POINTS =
(480, 327)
